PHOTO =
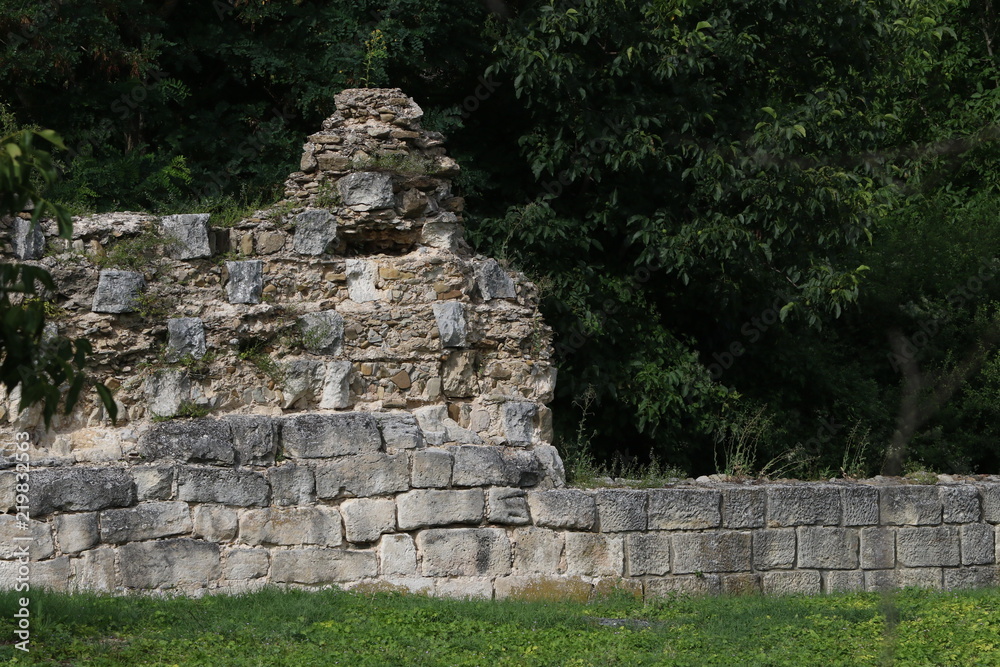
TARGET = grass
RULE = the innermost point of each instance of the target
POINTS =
(332, 627)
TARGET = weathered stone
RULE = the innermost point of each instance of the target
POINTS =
(215, 523)
(189, 441)
(884, 580)
(594, 555)
(169, 563)
(828, 548)
(774, 548)
(286, 526)
(187, 235)
(226, 487)
(621, 510)
(36, 536)
(420, 508)
(291, 484)
(397, 555)
(76, 532)
(928, 547)
(791, 583)
(244, 564)
(52, 575)
(431, 468)
(27, 239)
(269, 243)
(314, 231)
(507, 506)
(741, 584)
(80, 489)
(843, 581)
(185, 338)
(960, 504)
(701, 584)
(367, 188)
(743, 508)
(493, 281)
(246, 281)
(970, 577)
(336, 392)
(464, 552)
(255, 438)
(978, 544)
(412, 203)
(802, 505)
(366, 519)
(300, 378)
(563, 508)
(648, 553)
(439, 429)
(860, 503)
(458, 374)
(451, 323)
(991, 502)
(118, 291)
(711, 552)
(399, 430)
(442, 234)
(153, 482)
(878, 548)
(552, 465)
(166, 391)
(361, 281)
(910, 505)
(537, 550)
(363, 475)
(489, 466)
(333, 162)
(519, 422)
(322, 332)
(146, 522)
(95, 571)
(327, 435)
(684, 509)
(464, 588)
(322, 566)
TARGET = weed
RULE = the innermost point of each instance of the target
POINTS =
(407, 164)
(136, 253)
(328, 196)
(281, 210)
(253, 352)
(50, 308)
(150, 307)
(854, 464)
(187, 410)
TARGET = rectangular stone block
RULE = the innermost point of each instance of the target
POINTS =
(313, 436)
(215, 523)
(367, 519)
(427, 507)
(78, 489)
(802, 505)
(916, 505)
(246, 281)
(255, 438)
(185, 339)
(684, 509)
(843, 581)
(187, 235)
(647, 553)
(399, 430)
(978, 544)
(316, 566)
(76, 532)
(928, 547)
(153, 482)
(620, 510)
(538, 551)
(743, 508)
(464, 552)
(991, 502)
(431, 469)
(878, 548)
(94, 571)
(36, 536)
(965, 578)
(711, 552)
(465, 588)
(594, 555)
(397, 555)
(507, 506)
(223, 486)
(774, 549)
(291, 484)
(572, 509)
(885, 580)
(246, 564)
(860, 505)
(791, 583)
(961, 503)
(477, 465)
(363, 475)
(117, 291)
(189, 441)
(146, 522)
(169, 563)
(828, 548)
(701, 584)
(741, 584)
(291, 526)
(53, 574)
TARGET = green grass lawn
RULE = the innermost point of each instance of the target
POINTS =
(336, 628)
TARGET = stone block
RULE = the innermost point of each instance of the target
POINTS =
(702, 584)
(843, 581)
(166, 390)
(215, 523)
(647, 553)
(886, 580)
(369, 189)
(315, 229)
(451, 322)
(978, 544)
(711, 552)
(928, 547)
(911, 505)
(791, 583)
(323, 332)
(684, 509)
(289, 526)
(366, 519)
(774, 548)
(244, 564)
(828, 548)
(477, 465)
(494, 282)
(397, 555)
(741, 584)
(188, 235)
(169, 563)
(53, 575)
(145, 522)
(459, 378)
(620, 510)
(246, 281)
(189, 441)
(225, 487)
(537, 550)
(428, 507)
(291, 484)
(36, 536)
(594, 555)
(336, 391)
(328, 435)
(76, 532)
(94, 571)
(464, 552)
(553, 470)
(185, 338)
(431, 468)
(960, 504)
(363, 475)
(802, 505)
(518, 418)
(464, 588)
(439, 429)
(507, 506)
(8, 491)
(971, 577)
(878, 548)
(399, 430)
(860, 503)
(571, 509)
(361, 281)
(991, 502)
(27, 239)
(79, 489)
(255, 438)
(317, 566)
(300, 382)
(743, 508)
(118, 291)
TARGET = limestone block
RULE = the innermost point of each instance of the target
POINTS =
(94, 571)
(991, 502)
(188, 235)
(322, 566)
(464, 552)
(80, 489)
(743, 508)
(554, 473)
(361, 281)
(285, 526)
(399, 430)
(291, 484)
(703, 584)
(428, 507)
(477, 465)
(185, 338)
(12, 538)
(370, 189)
(190, 441)
(363, 475)
(118, 291)
(166, 391)
(860, 504)
(843, 581)
(911, 505)
(269, 243)
(802, 505)
(366, 519)
(323, 332)
(431, 468)
(594, 555)
(741, 584)
(791, 583)
(828, 548)
(928, 547)
(145, 522)
(878, 548)
(242, 488)
(507, 506)
(451, 323)
(336, 392)
(76, 532)
(314, 231)
(464, 588)
(246, 281)
(711, 552)
(458, 374)
(300, 378)
(442, 234)
(53, 575)
(244, 564)
(215, 523)
(563, 508)
(8, 491)
(537, 550)
(397, 555)
(328, 435)
(27, 239)
(960, 504)
(169, 563)
(774, 548)
(621, 510)
(494, 282)
(153, 482)
(684, 509)
(971, 577)
(978, 544)
(885, 580)
(255, 438)
(438, 428)
(647, 553)
(519, 422)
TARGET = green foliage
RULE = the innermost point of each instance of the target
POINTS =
(409, 164)
(135, 253)
(253, 351)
